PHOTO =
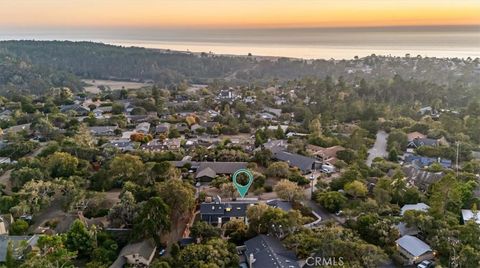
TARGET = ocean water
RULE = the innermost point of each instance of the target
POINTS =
(308, 43)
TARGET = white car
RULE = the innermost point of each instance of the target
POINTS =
(425, 264)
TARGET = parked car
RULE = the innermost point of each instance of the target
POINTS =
(426, 264)
(161, 251)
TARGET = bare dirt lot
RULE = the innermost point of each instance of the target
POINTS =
(110, 84)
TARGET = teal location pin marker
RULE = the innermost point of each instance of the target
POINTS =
(242, 189)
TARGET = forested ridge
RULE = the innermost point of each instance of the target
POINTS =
(35, 66)
(96, 60)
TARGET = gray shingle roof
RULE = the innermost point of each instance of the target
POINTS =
(304, 163)
(413, 245)
(207, 172)
(218, 167)
(223, 167)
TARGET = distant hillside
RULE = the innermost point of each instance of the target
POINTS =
(94, 60)
(20, 75)
(100, 61)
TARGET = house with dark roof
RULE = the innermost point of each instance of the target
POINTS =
(423, 161)
(413, 250)
(207, 171)
(78, 109)
(267, 251)
(207, 174)
(162, 128)
(418, 177)
(137, 254)
(275, 145)
(122, 144)
(304, 163)
(103, 130)
(417, 142)
(218, 212)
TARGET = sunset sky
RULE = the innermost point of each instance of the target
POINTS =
(236, 13)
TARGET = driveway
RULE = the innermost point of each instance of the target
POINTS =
(379, 149)
(319, 210)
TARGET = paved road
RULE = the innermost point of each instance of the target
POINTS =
(322, 212)
(5, 178)
(379, 149)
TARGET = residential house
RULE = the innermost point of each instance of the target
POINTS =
(182, 127)
(279, 100)
(267, 116)
(78, 109)
(426, 110)
(172, 144)
(296, 134)
(5, 160)
(22, 244)
(413, 250)
(276, 145)
(213, 113)
(249, 99)
(304, 163)
(6, 115)
(103, 130)
(267, 251)
(468, 214)
(273, 111)
(136, 119)
(416, 207)
(226, 95)
(419, 178)
(417, 142)
(122, 144)
(218, 212)
(326, 155)
(422, 161)
(17, 128)
(207, 171)
(154, 146)
(143, 128)
(100, 111)
(138, 254)
(162, 128)
(196, 127)
(415, 135)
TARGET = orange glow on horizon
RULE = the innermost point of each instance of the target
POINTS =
(237, 13)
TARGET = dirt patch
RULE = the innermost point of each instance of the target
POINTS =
(93, 85)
